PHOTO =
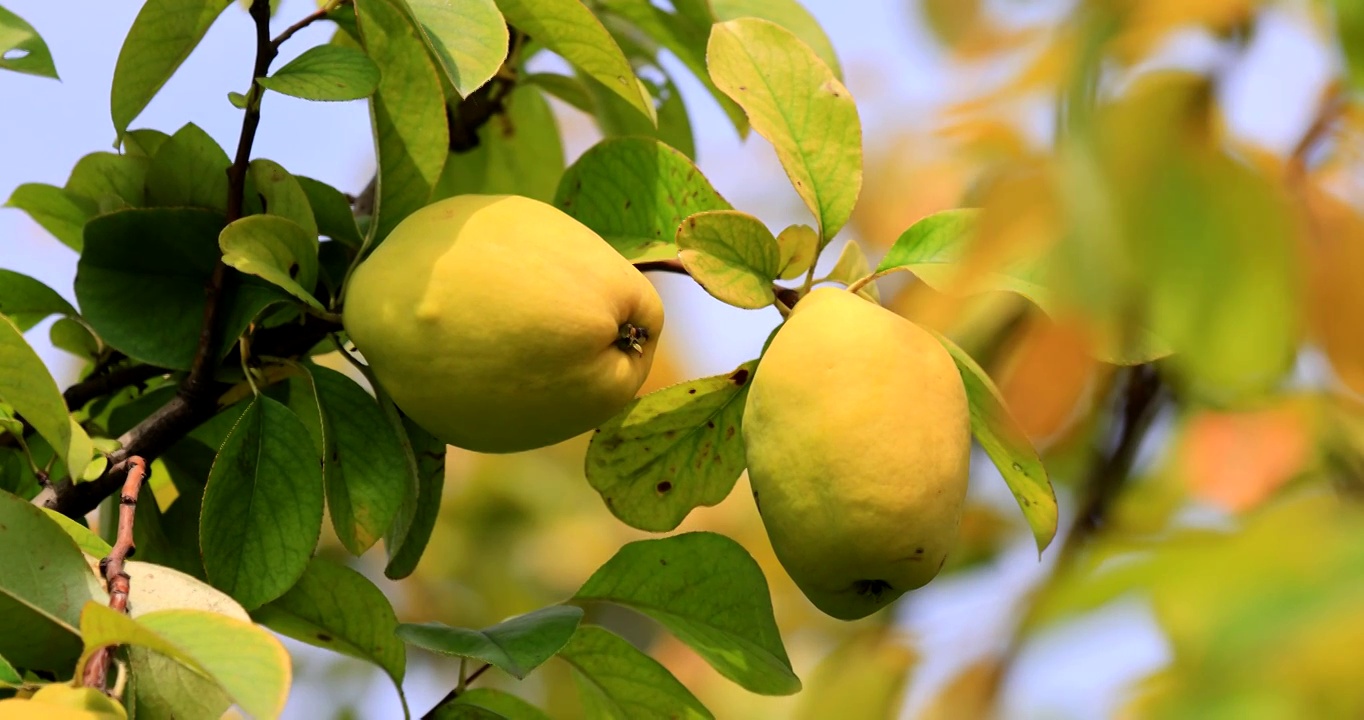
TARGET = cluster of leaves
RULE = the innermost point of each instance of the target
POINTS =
(284, 438)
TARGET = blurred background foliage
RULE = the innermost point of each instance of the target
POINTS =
(1114, 183)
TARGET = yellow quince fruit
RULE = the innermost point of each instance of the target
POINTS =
(501, 324)
(858, 439)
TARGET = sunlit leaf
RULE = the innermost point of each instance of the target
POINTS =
(788, 14)
(110, 180)
(635, 192)
(189, 170)
(570, 30)
(799, 245)
(711, 594)
(671, 451)
(408, 112)
(732, 254)
(468, 36)
(519, 153)
(250, 664)
(794, 100)
(84, 537)
(276, 250)
(331, 211)
(283, 195)
(851, 266)
(325, 72)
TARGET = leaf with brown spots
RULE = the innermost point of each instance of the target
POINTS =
(671, 451)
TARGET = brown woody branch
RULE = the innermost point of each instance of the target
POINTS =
(111, 567)
(78, 395)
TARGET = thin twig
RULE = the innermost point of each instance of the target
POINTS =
(116, 580)
(454, 692)
(320, 14)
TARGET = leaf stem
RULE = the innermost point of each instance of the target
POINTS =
(458, 689)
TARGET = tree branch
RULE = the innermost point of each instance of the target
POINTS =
(111, 567)
(454, 693)
(78, 395)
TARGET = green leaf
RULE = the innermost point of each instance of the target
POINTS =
(618, 682)
(325, 72)
(238, 100)
(1008, 447)
(331, 211)
(163, 35)
(188, 170)
(799, 246)
(27, 386)
(283, 195)
(364, 465)
(44, 582)
(684, 33)
(111, 181)
(570, 30)
(788, 14)
(570, 89)
(84, 537)
(74, 337)
(171, 538)
(519, 153)
(141, 279)
(635, 192)
(143, 142)
(56, 210)
(935, 247)
(247, 662)
(794, 100)
(732, 254)
(407, 537)
(618, 119)
(276, 250)
(671, 451)
(469, 37)
(408, 113)
(517, 646)
(262, 512)
(9, 677)
(852, 266)
(711, 594)
(337, 608)
(500, 704)
(28, 302)
(22, 49)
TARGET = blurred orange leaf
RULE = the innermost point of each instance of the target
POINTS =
(971, 694)
(1046, 377)
(1237, 460)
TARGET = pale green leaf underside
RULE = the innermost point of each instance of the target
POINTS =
(164, 33)
(618, 682)
(469, 37)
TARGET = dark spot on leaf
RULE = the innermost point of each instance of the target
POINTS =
(597, 430)
(324, 637)
(691, 391)
(756, 501)
(691, 222)
(710, 424)
(646, 448)
(743, 88)
(627, 203)
(293, 271)
(664, 486)
(918, 551)
(729, 432)
(609, 502)
(669, 434)
(739, 377)
(661, 561)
